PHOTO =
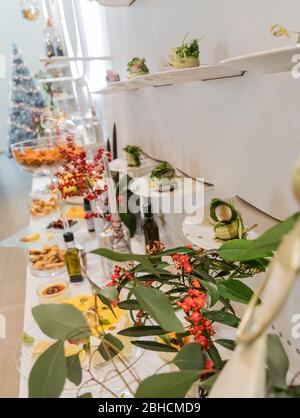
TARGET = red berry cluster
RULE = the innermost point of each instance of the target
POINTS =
(120, 275)
(79, 176)
(192, 305)
(183, 263)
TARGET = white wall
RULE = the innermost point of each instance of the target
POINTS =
(28, 36)
(241, 134)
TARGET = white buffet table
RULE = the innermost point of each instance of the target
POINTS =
(145, 363)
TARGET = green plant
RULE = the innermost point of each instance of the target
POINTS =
(167, 291)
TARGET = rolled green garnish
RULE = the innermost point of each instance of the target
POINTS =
(226, 220)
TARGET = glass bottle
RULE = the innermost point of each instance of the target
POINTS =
(72, 259)
(90, 220)
(150, 227)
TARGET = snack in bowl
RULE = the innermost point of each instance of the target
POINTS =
(49, 258)
(162, 178)
(35, 158)
(53, 292)
(137, 67)
(59, 225)
(187, 55)
(41, 207)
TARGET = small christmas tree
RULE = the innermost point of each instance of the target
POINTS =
(27, 103)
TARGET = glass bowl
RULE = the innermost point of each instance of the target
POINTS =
(54, 291)
(43, 204)
(46, 262)
(38, 153)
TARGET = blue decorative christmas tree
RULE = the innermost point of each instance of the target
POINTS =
(27, 103)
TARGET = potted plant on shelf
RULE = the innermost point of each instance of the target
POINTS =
(166, 291)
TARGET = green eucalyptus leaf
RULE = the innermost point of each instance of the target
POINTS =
(48, 375)
(61, 321)
(177, 250)
(167, 385)
(123, 258)
(229, 344)
(74, 371)
(234, 250)
(157, 304)
(215, 357)
(143, 331)
(208, 383)
(130, 305)
(262, 247)
(278, 363)
(235, 290)
(86, 396)
(212, 291)
(154, 346)
(190, 357)
(222, 317)
(110, 347)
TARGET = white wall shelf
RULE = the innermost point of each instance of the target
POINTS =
(115, 3)
(64, 59)
(172, 77)
(56, 80)
(269, 61)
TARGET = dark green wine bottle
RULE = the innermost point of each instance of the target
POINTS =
(150, 227)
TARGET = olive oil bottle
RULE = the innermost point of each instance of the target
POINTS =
(72, 259)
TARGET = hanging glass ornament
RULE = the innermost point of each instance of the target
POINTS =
(30, 10)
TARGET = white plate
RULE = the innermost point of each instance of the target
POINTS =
(141, 187)
(134, 172)
(202, 234)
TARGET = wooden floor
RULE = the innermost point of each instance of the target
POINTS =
(15, 186)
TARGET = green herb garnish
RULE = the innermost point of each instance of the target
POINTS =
(161, 170)
(104, 322)
(135, 152)
(189, 49)
(27, 339)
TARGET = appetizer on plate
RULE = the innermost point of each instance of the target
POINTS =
(187, 55)
(49, 258)
(31, 238)
(41, 207)
(59, 225)
(133, 155)
(137, 67)
(162, 178)
(226, 220)
(53, 292)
